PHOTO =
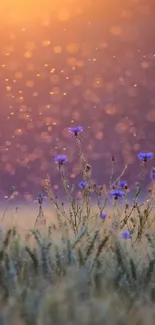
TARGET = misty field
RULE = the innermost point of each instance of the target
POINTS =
(77, 262)
(51, 276)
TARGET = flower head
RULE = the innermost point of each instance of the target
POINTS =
(40, 199)
(145, 156)
(117, 193)
(123, 184)
(103, 215)
(75, 131)
(126, 235)
(60, 159)
(83, 185)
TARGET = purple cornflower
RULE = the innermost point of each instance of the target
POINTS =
(123, 184)
(152, 174)
(126, 235)
(117, 193)
(145, 156)
(60, 159)
(75, 131)
(40, 199)
(103, 215)
(83, 185)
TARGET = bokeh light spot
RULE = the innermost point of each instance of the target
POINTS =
(64, 14)
(116, 30)
(57, 49)
(29, 83)
(72, 48)
(28, 54)
(18, 75)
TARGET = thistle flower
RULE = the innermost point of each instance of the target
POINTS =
(117, 194)
(83, 185)
(145, 156)
(75, 131)
(123, 184)
(126, 235)
(103, 215)
(60, 159)
(152, 174)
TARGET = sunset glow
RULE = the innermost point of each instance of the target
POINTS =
(26, 10)
(65, 63)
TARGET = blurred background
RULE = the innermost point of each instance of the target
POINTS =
(74, 62)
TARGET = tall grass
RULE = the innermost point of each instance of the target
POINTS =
(89, 266)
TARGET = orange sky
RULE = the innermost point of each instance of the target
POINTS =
(22, 10)
(28, 9)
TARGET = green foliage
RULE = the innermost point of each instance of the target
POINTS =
(74, 281)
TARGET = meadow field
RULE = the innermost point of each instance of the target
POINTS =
(79, 262)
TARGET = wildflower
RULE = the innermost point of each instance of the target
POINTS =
(152, 174)
(40, 199)
(123, 184)
(103, 215)
(126, 235)
(75, 131)
(83, 185)
(145, 156)
(116, 194)
(60, 159)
